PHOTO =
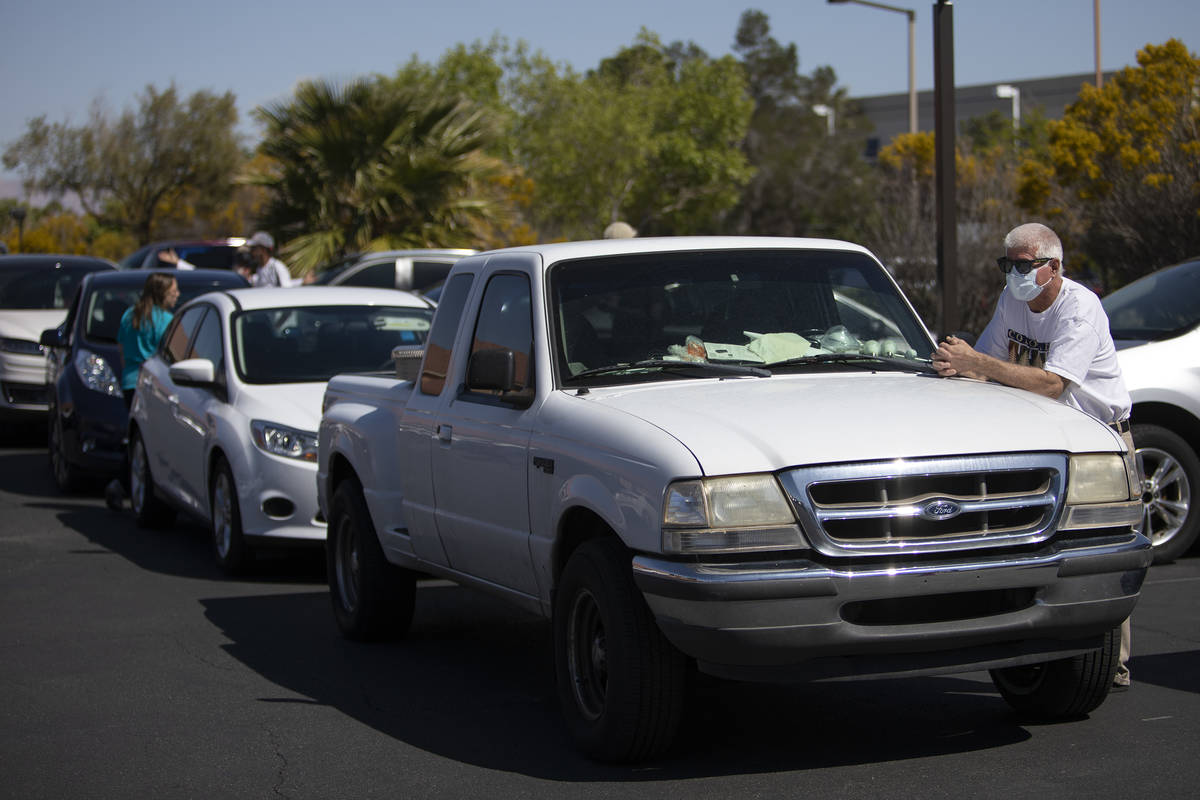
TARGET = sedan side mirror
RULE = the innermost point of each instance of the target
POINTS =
(53, 337)
(193, 372)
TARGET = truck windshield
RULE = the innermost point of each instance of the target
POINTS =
(750, 307)
(314, 343)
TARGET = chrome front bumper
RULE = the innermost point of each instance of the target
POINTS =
(948, 615)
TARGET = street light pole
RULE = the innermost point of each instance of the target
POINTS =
(912, 52)
(822, 110)
(1008, 90)
(1096, 25)
(944, 172)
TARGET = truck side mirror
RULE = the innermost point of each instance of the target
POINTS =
(494, 369)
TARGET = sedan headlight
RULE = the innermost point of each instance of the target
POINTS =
(22, 346)
(738, 513)
(280, 440)
(96, 374)
(1102, 492)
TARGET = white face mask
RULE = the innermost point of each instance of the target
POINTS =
(1024, 287)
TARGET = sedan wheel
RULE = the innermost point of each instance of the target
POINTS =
(231, 551)
(148, 510)
(1170, 472)
(66, 475)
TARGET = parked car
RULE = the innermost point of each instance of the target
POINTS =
(86, 431)
(225, 418)
(409, 270)
(34, 293)
(200, 253)
(1155, 323)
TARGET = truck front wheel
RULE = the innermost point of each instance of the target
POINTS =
(620, 682)
(372, 598)
(1069, 687)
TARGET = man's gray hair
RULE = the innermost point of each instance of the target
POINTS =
(1036, 237)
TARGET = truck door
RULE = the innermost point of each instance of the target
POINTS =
(481, 448)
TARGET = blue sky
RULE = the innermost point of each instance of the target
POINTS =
(59, 55)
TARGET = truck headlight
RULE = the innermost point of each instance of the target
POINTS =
(1101, 493)
(728, 514)
(280, 440)
(96, 373)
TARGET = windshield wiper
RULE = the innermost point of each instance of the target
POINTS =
(706, 367)
(902, 364)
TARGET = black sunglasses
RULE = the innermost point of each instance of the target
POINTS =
(1020, 265)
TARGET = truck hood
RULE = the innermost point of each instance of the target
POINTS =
(296, 405)
(765, 424)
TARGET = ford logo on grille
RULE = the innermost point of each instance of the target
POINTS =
(941, 509)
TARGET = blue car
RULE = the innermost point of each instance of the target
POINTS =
(86, 435)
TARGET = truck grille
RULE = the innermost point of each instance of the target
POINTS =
(928, 505)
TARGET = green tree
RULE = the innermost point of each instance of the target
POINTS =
(374, 164)
(903, 232)
(806, 181)
(1124, 165)
(651, 137)
(127, 170)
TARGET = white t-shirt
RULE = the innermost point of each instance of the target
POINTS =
(273, 273)
(1071, 339)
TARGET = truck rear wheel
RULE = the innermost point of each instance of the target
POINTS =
(1069, 687)
(620, 682)
(372, 598)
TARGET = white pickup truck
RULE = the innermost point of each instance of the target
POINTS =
(732, 453)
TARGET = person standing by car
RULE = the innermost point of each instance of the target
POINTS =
(268, 270)
(142, 327)
(1049, 335)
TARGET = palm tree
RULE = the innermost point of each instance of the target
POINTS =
(374, 165)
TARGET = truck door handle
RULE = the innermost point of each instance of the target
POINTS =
(444, 431)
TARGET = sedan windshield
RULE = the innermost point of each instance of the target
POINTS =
(314, 343)
(777, 309)
(41, 285)
(1161, 305)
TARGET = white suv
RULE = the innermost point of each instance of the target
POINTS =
(225, 418)
(1155, 324)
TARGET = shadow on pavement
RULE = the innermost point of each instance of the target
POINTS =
(1180, 671)
(474, 682)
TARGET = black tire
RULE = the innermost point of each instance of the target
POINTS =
(148, 510)
(1170, 474)
(225, 513)
(1063, 689)
(372, 598)
(621, 684)
(67, 476)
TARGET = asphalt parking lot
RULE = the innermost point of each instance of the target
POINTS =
(131, 667)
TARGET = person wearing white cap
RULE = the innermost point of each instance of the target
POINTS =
(269, 271)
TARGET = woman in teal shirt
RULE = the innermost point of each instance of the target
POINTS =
(142, 327)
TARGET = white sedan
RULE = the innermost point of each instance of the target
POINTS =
(224, 421)
(1155, 324)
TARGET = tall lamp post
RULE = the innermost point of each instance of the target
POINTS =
(912, 53)
(1008, 90)
(822, 110)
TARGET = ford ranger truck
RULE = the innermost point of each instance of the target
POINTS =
(732, 454)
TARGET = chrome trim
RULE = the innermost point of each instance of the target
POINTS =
(799, 484)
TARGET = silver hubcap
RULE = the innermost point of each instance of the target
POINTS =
(1166, 494)
(222, 514)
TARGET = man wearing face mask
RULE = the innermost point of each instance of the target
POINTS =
(1048, 335)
